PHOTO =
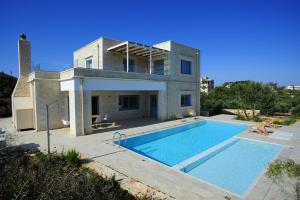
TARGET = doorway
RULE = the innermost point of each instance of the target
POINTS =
(95, 107)
(153, 106)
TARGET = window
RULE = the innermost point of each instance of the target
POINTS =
(186, 67)
(131, 65)
(186, 100)
(128, 102)
(89, 63)
(158, 67)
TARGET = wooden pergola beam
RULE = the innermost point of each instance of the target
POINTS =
(137, 49)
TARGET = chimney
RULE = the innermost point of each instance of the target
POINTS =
(24, 51)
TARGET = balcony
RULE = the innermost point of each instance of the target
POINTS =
(96, 73)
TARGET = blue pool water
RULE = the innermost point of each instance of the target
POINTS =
(172, 146)
(236, 166)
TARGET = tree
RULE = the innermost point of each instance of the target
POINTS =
(243, 95)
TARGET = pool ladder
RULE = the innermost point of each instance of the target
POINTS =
(118, 135)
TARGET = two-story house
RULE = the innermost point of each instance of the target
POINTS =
(120, 79)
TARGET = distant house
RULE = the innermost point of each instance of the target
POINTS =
(206, 84)
(293, 87)
(120, 79)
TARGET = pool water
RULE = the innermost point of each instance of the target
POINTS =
(174, 145)
(236, 166)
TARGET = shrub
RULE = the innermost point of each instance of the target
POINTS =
(296, 111)
(241, 117)
(29, 177)
(146, 197)
(286, 122)
(248, 118)
(286, 174)
(73, 157)
(40, 156)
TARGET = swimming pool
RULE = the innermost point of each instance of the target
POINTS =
(209, 151)
(174, 145)
(236, 166)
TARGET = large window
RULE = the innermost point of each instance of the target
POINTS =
(128, 102)
(89, 63)
(158, 67)
(131, 65)
(186, 67)
(186, 100)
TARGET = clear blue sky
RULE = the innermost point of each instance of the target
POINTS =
(245, 39)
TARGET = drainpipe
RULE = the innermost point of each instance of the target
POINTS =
(82, 105)
(197, 81)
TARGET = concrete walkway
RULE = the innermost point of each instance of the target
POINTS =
(99, 148)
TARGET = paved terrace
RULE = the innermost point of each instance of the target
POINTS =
(99, 148)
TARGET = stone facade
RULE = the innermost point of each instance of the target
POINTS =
(70, 92)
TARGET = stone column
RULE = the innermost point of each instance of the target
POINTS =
(75, 107)
(162, 105)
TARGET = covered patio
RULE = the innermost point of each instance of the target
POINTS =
(109, 92)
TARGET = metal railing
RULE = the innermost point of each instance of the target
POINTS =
(118, 135)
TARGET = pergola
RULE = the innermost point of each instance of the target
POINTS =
(138, 49)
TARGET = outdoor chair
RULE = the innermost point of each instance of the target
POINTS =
(178, 116)
(192, 113)
(260, 129)
(97, 121)
(270, 123)
(105, 118)
(66, 123)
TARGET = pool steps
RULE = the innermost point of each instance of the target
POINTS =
(203, 154)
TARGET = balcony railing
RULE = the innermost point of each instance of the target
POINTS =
(94, 73)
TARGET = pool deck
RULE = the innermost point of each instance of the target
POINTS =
(98, 147)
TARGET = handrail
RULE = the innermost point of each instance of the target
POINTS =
(125, 137)
(120, 135)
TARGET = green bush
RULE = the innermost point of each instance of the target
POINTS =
(146, 197)
(296, 111)
(73, 157)
(30, 177)
(286, 122)
(248, 118)
(40, 156)
(285, 173)
(241, 117)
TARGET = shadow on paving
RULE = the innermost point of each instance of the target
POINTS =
(126, 124)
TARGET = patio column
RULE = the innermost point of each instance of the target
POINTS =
(150, 61)
(80, 109)
(162, 105)
(127, 57)
(75, 103)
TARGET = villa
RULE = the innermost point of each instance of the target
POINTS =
(117, 79)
